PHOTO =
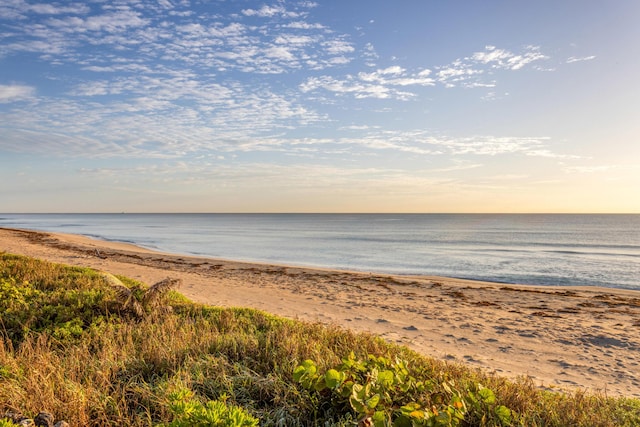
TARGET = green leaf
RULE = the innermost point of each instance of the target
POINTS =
(357, 405)
(487, 396)
(410, 407)
(310, 366)
(298, 373)
(333, 378)
(320, 384)
(349, 361)
(379, 416)
(385, 379)
(347, 389)
(373, 401)
(443, 418)
(402, 421)
(359, 392)
(305, 373)
(504, 414)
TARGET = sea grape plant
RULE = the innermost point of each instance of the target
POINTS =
(383, 393)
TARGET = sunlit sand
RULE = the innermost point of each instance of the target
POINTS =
(559, 336)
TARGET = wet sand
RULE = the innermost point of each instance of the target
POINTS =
(561, 337)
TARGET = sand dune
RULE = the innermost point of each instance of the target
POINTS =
(563, 338)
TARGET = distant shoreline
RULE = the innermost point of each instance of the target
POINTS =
(81, 243)
(117, 244)
(532, 249)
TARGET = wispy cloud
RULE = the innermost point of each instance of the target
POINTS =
(19, 9)
(181, 117)
(11, 93)
(156, 117)
(465, 72)
(590, 169)
(487, 145)
(579, 59)
(382, 83)
(110, 22)
(504, 59)
(468, 71)
(255, 44)
(606, 168)
(457, 73)
(269, 11)
(51, 9)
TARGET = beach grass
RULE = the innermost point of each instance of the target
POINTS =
(71, 346)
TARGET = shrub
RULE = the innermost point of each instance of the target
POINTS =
(189, 412)
(384, 393)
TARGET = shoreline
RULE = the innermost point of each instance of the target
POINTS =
(563, 337)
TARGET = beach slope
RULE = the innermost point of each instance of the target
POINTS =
(561, 337)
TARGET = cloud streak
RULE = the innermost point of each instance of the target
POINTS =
(13, 93)
(580, 59)
(467, 72)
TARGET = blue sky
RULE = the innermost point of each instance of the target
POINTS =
(319, 106)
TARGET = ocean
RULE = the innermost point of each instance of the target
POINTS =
(536, 249)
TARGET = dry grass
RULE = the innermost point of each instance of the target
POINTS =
(109, 369)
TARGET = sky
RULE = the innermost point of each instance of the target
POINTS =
(320, 106)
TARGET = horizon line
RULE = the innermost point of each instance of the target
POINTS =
(315, 213)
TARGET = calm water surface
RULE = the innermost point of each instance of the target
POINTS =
(601, 250)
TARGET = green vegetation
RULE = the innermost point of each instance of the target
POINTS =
(384, 393)
(190, 412)
(75, 344)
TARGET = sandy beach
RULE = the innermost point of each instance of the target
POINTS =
(561, 337)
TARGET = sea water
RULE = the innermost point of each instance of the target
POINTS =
(537, 249)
